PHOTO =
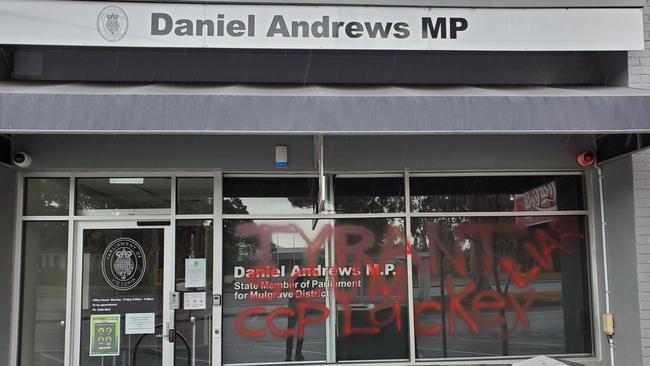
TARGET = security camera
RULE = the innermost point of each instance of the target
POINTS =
(22, 159)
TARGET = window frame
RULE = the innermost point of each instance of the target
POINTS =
(591, 302)
(590, 191)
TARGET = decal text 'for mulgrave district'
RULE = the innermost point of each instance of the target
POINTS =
(429, 28)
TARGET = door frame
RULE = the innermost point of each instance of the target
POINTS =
(71, 352)
(168, 281)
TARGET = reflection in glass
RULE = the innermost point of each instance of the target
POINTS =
(500, 286)
(269, 195)
(123, 196)
(496, 193)
(194, 196)
(120, 277)
(274, 296)
(369, 195)
(45, 253)
(47, 196)
(194, 242)
(372, 307)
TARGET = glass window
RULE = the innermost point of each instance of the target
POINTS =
(369, 195)
(269, 195)
(500, 286)
(281, 290)
(496, 193)
(47, 196)
(45, 261)
(274, 291)
(129, 195)
(482, 286)
(194, 196)
(372, 304)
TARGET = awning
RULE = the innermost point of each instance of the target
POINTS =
(236, 109)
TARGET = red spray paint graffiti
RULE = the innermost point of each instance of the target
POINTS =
(385, 279)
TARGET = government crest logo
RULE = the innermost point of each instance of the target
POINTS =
(123, 264)
(112, 23)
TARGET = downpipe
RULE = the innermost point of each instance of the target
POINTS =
(603, 225)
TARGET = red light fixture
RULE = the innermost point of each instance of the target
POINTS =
(586, 158)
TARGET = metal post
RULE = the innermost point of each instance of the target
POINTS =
(193, 355)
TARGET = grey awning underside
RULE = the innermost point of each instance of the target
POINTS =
(81, 108)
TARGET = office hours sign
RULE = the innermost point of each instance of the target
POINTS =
(318, 27)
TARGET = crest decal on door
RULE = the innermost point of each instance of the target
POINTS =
(123, 264)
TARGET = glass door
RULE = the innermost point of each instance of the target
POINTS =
(193, 281)
(125, 295)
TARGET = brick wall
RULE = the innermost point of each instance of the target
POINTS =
(641, 168)
(639, 61)
(639, 77)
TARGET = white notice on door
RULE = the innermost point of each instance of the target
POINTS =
(140, 323)
(194, 272)
(194, 301)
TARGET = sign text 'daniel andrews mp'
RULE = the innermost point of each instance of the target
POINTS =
(121, 24)
(438, 28)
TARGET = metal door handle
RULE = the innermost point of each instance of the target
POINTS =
(171, 335)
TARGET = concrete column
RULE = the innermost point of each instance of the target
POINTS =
(7, 208)
(622, 260)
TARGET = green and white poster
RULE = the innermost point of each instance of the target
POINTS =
(105, 335)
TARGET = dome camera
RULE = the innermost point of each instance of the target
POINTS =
(22, 159)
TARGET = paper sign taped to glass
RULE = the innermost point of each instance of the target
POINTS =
(195, 272)
(139, 323)
(194, 301)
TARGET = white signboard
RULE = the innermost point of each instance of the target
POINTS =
(195, 272)
(139, 323)
(318, 27)
(194, 301)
